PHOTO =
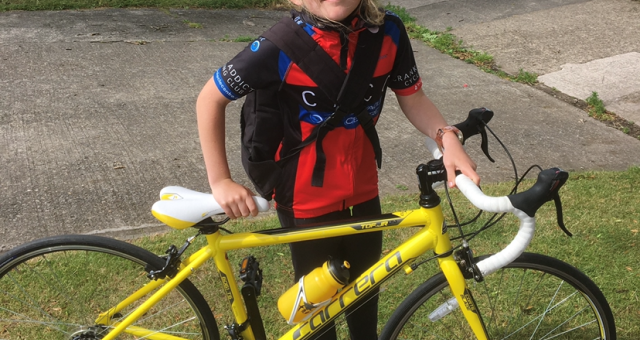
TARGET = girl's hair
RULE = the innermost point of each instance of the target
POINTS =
(371, 13)
(368, 10)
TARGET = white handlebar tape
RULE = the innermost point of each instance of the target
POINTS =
(499, 205)
(432, 146)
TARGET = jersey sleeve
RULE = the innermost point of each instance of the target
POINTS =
(404, 79)
(255, 67)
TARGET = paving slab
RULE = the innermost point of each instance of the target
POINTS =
(97, 115)
(562, 36)
(615, 79)
(542, 41)
(440, 15)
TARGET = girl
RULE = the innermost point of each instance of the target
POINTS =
(350, 186)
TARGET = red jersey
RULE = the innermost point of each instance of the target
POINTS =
(351, 175)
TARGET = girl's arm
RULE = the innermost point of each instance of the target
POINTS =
(424, 115)
(235, 199)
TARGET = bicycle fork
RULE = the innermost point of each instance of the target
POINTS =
(460, 290)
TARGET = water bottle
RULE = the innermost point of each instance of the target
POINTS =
(444, 309)
(313, 291)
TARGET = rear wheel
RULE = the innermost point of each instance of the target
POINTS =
(534, 297)
(55, 288)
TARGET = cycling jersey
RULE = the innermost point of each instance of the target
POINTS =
(351, 175)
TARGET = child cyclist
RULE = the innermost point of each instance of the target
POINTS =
(350, 183)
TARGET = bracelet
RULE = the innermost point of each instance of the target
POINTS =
(444, 130)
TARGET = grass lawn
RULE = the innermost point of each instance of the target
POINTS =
(38, 5)
(601, 209)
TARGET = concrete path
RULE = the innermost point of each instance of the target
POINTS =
(97, 107)
(576, 46)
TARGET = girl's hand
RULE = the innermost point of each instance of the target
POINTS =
(455, 158)
(235, 199)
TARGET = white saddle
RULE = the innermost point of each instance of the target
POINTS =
(181, 208)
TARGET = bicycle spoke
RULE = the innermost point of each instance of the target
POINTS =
(490, 301)
(135, 330)
(26, 319)
(56, 280)
(33, 304)
(546, 311)
(544, 337)
(536, 297)
(516, 298)
(59, 291)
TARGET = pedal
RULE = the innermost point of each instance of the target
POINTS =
(251, 275)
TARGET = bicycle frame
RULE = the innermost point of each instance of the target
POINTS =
(432, 236)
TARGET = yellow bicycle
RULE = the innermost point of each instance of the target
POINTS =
(76, 287)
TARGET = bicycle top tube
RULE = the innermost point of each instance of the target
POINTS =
(406, 219)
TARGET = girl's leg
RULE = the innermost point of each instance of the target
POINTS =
(308, 255)
(362, 251)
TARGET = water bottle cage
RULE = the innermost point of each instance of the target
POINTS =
(304, 305)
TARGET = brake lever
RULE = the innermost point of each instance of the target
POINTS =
(484, 144)
(556, 200)
(475, 124)
(544, 190)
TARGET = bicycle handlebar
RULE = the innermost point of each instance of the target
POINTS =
(473, 125)
(523, 205)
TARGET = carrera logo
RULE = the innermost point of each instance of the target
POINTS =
(374, 278)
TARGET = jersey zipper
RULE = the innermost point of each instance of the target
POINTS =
(344, 50)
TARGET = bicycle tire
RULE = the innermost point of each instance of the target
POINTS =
(54, 288)
(534, 297)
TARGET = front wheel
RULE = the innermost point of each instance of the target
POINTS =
(55, 288)
(534, 297)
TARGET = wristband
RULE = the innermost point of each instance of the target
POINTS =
(444, 130)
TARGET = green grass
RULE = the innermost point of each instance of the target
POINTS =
(193, 24)
(526, 77)
(36, 5)
(601, 209)
(449, 44)
(596, 107)
(443, 41)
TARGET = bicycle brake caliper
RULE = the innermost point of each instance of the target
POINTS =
(469, 269)
(172, 261)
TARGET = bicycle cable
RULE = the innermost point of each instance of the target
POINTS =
(494, 219)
